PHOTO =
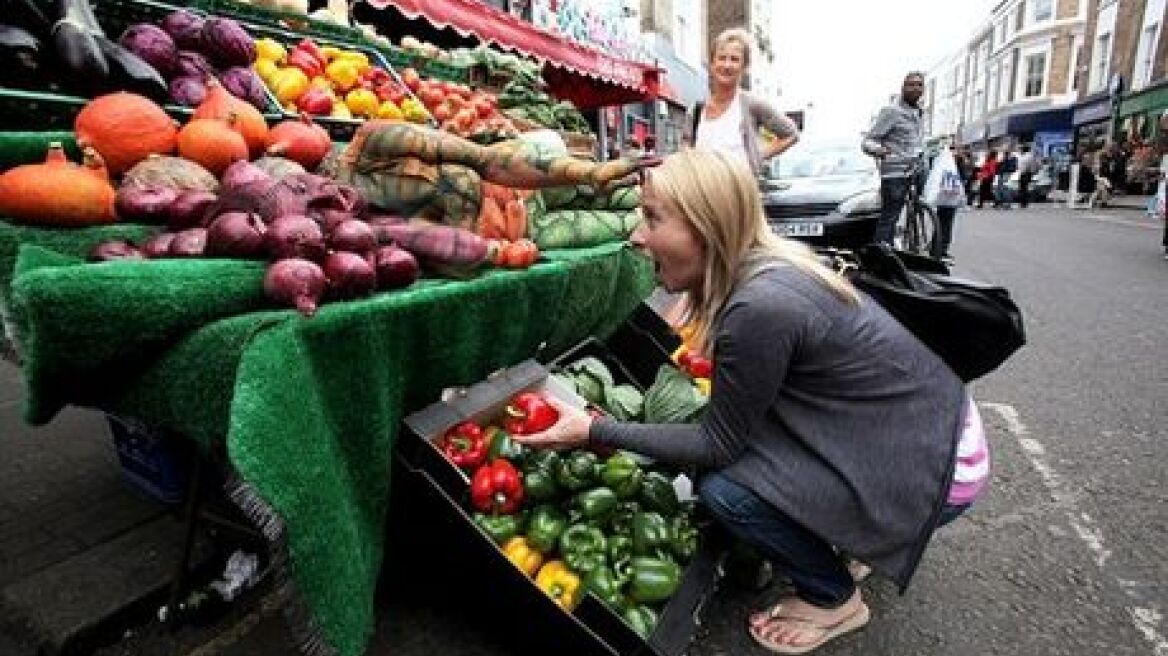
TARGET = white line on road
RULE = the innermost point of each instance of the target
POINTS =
(1146, 620)
(1135, 224)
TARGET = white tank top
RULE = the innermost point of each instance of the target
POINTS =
(725, 132)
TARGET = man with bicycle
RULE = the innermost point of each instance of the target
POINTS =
(896, 139)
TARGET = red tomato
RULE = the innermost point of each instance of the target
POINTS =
(483, 107)
(442, 113)
(411, 78)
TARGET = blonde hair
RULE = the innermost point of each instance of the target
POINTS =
(734, 35)
(719, 197)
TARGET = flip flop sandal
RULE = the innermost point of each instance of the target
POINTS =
(859, 571)
(826, 633)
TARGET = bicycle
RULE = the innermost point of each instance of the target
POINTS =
(916, 226)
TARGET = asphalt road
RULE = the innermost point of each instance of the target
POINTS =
(1064, 554)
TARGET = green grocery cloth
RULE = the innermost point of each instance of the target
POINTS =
(310, 408)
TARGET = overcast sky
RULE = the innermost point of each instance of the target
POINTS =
(845, 57)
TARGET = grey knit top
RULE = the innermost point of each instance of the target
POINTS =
(832, 412)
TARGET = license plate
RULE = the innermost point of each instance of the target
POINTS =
(799, 229)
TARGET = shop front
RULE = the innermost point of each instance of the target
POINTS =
(1142, 129)
(1091, 121)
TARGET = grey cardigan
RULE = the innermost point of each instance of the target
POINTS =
(755, 114)
(833, 413)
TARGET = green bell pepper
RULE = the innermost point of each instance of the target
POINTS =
(500, 527)
(653, 579)
(583, 548)
(539, 476)
(641, 619)
(651, 533)
(658, 495)
(683, 541)
(607, 587)
(594, 505)
(577, 470)
(500, 445)
(622, 475)
(620, 549)
(544, 528)
(621, 520)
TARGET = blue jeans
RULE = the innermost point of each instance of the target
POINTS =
(819, 574)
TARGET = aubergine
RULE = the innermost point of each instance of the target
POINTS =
(23, 51)
(84, 65)
(129, 72)
(28, 15)
(81, 12)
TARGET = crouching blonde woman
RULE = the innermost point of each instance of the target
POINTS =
(830, 428)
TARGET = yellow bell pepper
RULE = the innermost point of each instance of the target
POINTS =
(330, 52)
(390, 111)
(341, 110)
(322, 83)
(522, 555)
(266, 69)
(288, 84)
(359, 59)
(703, 385)
(414, 111)
(362, 102)
(560, 583)
(343, 73)
(271, 50)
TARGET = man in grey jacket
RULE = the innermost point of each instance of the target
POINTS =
(896, 138)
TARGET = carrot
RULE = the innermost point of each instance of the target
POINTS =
(492, 222)
(515, 216)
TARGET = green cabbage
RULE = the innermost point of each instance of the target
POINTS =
(673, 398)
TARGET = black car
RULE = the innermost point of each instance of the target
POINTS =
(824, 194)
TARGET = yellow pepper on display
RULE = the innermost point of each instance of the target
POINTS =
(414, 111)
(330, 52)
(388, 110)
(359, 59)
(362, 102)
(321, 83)
(266, 69)
(341, 110)
(522, 555)
(703, 385)
(343, 73)
(271, 50)
(288, 84)
(560, 583)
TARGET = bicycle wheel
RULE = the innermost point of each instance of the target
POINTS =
(916, 228)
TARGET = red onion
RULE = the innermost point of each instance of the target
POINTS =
(191, 209)
(243, 173)
(329, 218)
(395, 267)
(185, 28)
(382, 219)
(115, 249)
(353, 236)
(349, 275)
(158, 245)
(191, 242)
(144, 203)
(296, 282)
(381, 227)
(236, 234)
(295, 236)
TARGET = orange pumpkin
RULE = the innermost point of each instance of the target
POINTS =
(249, 122)
(32, 193)
(125, 128)
(213, 143)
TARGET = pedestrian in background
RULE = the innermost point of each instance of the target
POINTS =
(730, 118)
(1028, 167)
(968, 171)
(830, 428)
(1006, 167)
(896, 139)
(985, 179)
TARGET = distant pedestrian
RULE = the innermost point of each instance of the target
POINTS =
(985, 179)
(1006, 168)
(968, 172)
(1028, 167)
(896, 139)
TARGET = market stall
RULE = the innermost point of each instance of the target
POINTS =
(296, 317)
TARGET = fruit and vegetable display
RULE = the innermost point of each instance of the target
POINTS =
(574, 522)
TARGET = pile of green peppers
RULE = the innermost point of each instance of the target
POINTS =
(619, 527)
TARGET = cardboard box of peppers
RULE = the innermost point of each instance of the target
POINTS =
(576, 522)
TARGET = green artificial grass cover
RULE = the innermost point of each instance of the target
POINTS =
(309, 408)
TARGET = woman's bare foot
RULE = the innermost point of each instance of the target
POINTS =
(795, 627)
(793, 606)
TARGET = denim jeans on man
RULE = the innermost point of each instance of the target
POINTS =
(892, 197)
(817, 570)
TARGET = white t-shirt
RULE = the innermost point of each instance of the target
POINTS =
(725, 132)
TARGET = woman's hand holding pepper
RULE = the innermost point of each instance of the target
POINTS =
(570, 432)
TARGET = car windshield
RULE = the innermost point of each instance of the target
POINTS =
(818, 162)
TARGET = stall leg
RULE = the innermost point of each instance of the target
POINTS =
(191, 520)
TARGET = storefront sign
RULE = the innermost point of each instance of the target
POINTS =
(1100, 110)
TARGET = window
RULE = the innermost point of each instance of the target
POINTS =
(1145, 56)
(1076, 62)
(992, 88)
(1000, 34)
(1020, 17)
(1102, 62)
(1035, 74)
(1043, 10)
(1006, 82)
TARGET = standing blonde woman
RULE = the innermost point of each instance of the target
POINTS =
(829, 425)
(730, 118)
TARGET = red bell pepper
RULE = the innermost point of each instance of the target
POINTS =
(699, 367)
(528, 413)
(465, 445)
(309, 46)
(497, 488)
(316, 101)
(306, 62)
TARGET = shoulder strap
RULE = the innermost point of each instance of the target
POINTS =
(697, 118)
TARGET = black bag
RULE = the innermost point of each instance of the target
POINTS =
(973, 326)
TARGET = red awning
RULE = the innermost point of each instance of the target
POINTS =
(586, 76)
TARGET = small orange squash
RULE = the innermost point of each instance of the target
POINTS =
(213, 143)
(58, 192)
(249, 122)
(125, 128)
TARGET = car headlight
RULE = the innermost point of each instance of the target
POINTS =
(862, 203)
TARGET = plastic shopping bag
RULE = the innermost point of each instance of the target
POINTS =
(944, 187)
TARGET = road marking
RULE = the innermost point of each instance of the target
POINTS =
(1145, 620)
(1135, 224)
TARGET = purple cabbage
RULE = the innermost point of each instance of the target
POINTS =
(226, 43)
(192, 64)
(244, 84)
(188, 90)
(185, 28)
(153, 45)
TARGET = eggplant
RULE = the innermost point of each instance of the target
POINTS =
(130, 72)
(80, 12)
(23, 50)
(81, 57)
(28, 15)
